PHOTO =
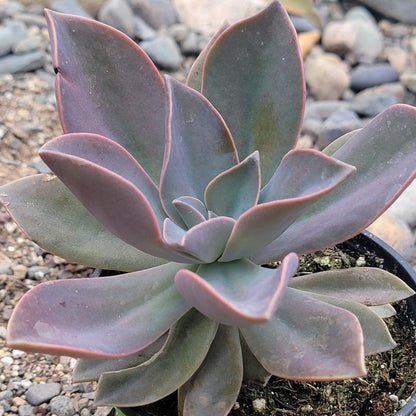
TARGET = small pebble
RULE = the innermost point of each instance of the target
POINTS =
(26, 410)
(63, 406)
(164, 51)
(366, 76)
(259, 405)
(7, 360)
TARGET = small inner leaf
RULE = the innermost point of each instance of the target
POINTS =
(236, 190)
(204, 241)
(191, 209)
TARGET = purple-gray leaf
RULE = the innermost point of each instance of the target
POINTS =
(119, 315)
(198, 146)
(320, 342)
(237, 293)
(107, 85)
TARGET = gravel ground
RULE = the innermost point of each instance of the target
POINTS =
(41, 384)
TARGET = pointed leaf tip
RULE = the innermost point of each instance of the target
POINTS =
(261, 102)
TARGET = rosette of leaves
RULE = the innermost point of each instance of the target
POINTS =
(188, 189)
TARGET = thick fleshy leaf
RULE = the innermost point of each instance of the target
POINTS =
(308, 339)
(253, 75)
(303, 172)
(198, 146)
(305, 177)
(367, 285)
(59, 154)
(60, 224)
(113, 199)
(236, 190)
(377, 337)
(384, 153)
(254, 372)
(214, 388)
(107, 85)
(236, 293)
(184, 351)
(205, 241)
(119, 315)
(191, 210)
(384, 311)
(90, 369)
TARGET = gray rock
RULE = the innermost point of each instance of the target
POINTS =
(37, 272)
(42, 393)
(372, 101)
(142, 30)
(164, 51)
(10, 35)
(302, 23)
(118, 13)
(28, 44)
(26, 410)
(193, 43)
(403, 10)
(68, 6)
(30, 61)
(63, 406)
(30, 19)
(157, 13)
(10, 8)
(6, 267)
(6, 395)
(338, 123)
(323, 109)
(3, 332)
(366, 76)
(369, 40)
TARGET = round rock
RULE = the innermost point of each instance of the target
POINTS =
(157, 13)
(42, 393)
(118, 13)
(337, 124)
(366, 76)
(63, 406)
(164, 51)
(373, 101)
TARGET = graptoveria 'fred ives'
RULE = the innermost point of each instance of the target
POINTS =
(189, 189)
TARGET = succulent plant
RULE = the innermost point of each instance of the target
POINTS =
(186, 190)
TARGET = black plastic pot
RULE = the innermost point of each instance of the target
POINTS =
(365, 243)
(396, 264)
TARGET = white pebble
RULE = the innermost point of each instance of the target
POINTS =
(360, 261)
(7, 360)
(394, 398)
(259, 405)
(18, 354)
